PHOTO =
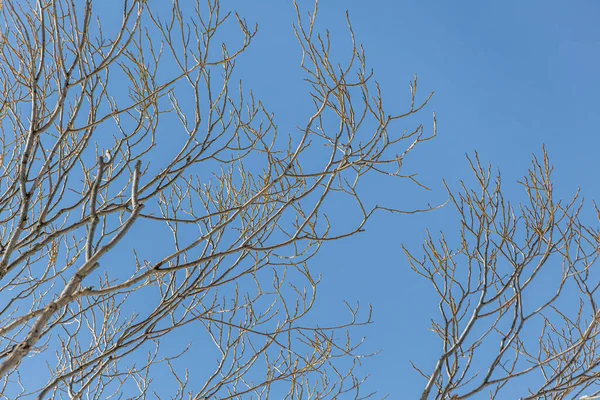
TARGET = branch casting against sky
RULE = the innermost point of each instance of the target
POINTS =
(173, 181)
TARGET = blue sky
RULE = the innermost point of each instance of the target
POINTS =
(508, 78)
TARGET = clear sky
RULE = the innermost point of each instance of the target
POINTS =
(508, 78)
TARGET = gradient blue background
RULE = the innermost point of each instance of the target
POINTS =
(508, 78)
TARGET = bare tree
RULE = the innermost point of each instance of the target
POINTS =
(518, 294)
(145, 193)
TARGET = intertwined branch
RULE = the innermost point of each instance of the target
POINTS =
(518, 294)
(156, 225)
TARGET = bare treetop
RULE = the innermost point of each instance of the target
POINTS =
(146, 192)
(518, 294)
